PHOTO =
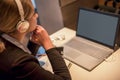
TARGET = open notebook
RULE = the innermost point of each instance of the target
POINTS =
(95, 40)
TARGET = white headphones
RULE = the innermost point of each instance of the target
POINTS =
(22, 25)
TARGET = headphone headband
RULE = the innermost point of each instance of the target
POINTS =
(22, 25)
(20, 8)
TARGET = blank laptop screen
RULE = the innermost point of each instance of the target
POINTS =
(41, 50)
(36, 10)
(34, 4)
(98, 26)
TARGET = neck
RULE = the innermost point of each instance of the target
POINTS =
(25, 40)
(22, 38)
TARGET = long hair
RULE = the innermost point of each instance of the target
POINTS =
(9, 16)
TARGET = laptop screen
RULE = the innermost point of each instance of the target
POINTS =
(97, 26)
(41, 50)
(36, 10)
(34, 4)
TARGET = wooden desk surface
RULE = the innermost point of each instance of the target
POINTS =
(107, 70)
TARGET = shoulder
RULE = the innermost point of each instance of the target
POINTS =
(15, 56)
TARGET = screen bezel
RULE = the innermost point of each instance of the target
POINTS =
(105, 13)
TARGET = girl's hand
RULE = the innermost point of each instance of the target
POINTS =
(41, 37)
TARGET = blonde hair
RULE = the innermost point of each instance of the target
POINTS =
(2, 46)
(9, 16)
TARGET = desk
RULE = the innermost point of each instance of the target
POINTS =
(107, 70)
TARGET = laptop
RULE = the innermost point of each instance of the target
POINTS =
(96, 38)
(36, 10)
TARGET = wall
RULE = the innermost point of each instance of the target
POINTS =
(70, 11)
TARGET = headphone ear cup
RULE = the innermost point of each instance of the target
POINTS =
(22, 26)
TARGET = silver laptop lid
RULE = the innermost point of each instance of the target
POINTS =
(101, 27)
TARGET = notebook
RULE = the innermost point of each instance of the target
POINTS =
(95, 40)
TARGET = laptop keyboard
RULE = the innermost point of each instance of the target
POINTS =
(69, 52)
(88, 49)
